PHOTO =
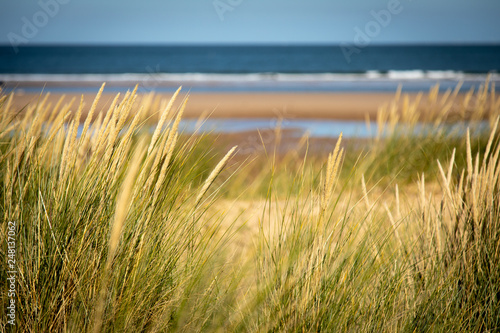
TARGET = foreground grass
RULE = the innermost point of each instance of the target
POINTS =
(121, 230)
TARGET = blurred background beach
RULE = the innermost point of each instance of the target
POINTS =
(250, 59)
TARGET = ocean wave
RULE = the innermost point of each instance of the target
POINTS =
(253, 77)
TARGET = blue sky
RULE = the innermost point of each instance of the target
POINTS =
(248, 21)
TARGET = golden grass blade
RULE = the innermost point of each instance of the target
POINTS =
(450, 167)
(125, 109)
(121, 211)
(218, 168)
(124, 199)
(73, 151)
(398, 93)
(55, 111)
(96, 127)
(423, 201)
(175, 126)
(65, 151)
(111, 111)
(332, 168)
(490, 141)
(91, 112)
(6, 107)
(56, 127)
(446, 183)
(163, 117)
(169, 151)
(394, 227)
(470, 169)
(398, 206)
(457, 89)
(365, 193)
(368, 124)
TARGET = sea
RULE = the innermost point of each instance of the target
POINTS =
(252, 68)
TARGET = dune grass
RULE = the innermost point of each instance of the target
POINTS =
(120, 229)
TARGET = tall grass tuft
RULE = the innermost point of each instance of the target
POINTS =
(97, 244)
(123, 229)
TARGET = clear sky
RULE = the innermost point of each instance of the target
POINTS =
(248, 21)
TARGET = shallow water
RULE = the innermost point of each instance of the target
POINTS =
(296, 127)
(315, 128)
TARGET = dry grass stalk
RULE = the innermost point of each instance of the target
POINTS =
(132, 127)
(398, 205)
(146, 167)
(124, 199)
(96, 128)
(125, 109)
(73, 151)
(215, 172)
(111, 135)
(157, 153)
(110, 111)
(6, 108)
(55, 110)
(162, 120)
(175, 126)
(421, 187)
(91, 112)
(332, 167)
(161, 147)
(9, 182)
(30, 151)
(394, 226)
(469, 156)
(365, 193)
(40, 116)
(30, 109)
(125, 139)
(166, 162)
(105, 129)
(56, 127)
(121, 211)
(490, 141)
(65, 151)
(165, 150)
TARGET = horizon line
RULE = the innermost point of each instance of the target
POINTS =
(240, 44)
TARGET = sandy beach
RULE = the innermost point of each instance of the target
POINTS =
(345, 106)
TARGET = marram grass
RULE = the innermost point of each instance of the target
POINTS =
(118, 230)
